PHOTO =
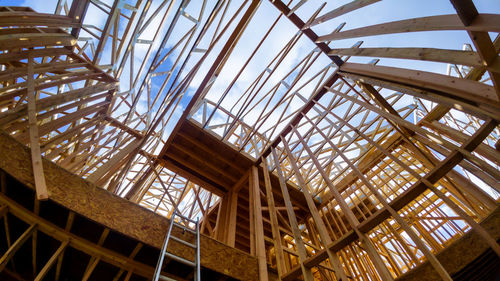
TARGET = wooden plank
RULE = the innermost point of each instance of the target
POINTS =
(46, 103)
(301, 25)
(209, 151)
(36, 156)
(105, 168)
(13, 56)
(33, 18)
(90, 269)
(77, 13)
(296, 119)
(481, 39)
(233, 212)
(425, 54)
(198, 170)
(306, 272)
(54, 39)
(200, 161)
(342, 10)
(318, 221)
(51, 261)
(463, 89)
(197, 178)
(488, 22)
(16, 245)
(260, 247)
(278, 247)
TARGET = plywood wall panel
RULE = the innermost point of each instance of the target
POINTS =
(119, 214)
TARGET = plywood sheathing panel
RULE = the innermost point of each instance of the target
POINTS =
(119, 214)
(460, 253)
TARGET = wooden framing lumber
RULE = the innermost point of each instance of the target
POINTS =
(36, 157)
(260, 249)
(366, 160)
(139, 223)
(484, 22)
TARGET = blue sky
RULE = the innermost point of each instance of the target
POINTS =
(383, 11)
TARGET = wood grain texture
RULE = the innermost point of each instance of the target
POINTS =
(460, 253)
(119, 214)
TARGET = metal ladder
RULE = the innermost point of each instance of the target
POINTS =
(164, 253)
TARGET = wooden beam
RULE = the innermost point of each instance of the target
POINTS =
(349, 7)
(278, 247)
(36, 156)
(16, 245)
(463, 89)
(115, 160)
(232, 215)
(51, 261)
(306, 271)
(487, 22)
(318, 221)
(425, 54)
(77, 13)
(481, 39)
(260, 248)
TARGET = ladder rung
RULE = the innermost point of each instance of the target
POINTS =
(183, 242)
(165, 278)
(186, 218)
(179, 259)
(186, 228)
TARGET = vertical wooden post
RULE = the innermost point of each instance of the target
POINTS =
(251, 216)
(278, 247)
(16, 245)
(320, 225)
(36, 156)
(260, 247)
(231, 219)
(46, 268)
(220, 225)
(351, 218)
(432, 259)
(301, 249)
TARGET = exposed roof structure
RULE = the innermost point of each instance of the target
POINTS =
(332, 141)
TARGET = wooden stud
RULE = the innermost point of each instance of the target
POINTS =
(41, 188)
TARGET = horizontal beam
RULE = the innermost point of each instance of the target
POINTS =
(483, 22)
(425, 54)
(459, 88)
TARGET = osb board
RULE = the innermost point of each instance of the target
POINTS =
(119, 214)
(460, 253)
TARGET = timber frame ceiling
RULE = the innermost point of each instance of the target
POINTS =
(367, 161)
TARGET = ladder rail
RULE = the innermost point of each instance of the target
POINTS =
(197, 259)
(196, 264)
(159, 264)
